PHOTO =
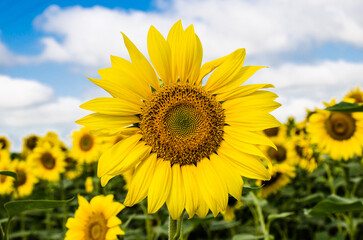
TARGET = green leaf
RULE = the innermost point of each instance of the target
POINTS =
(336, 204)
(345, 107)
(247, 189)
(15, 207)
(10, 174)
(247, 237)
(272, 217)
(311, 198)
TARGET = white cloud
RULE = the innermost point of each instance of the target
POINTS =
(62, 110)
(87, 36)
(17, 92)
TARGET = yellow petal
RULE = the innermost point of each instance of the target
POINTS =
(142, 65)
(208, 67)
(117, 90)
(247, 136)
(159, 189)
(176, 200)
(106, 178)
(160, 55)
(212, 188)
(242, 91)
(113, 221)
(244, 147)
(191, 189)
(247, 165)
(111, 106)
(113, 156)
(188, 60)
(227, 71)
(141, 180)
(138, 154)
(203, 209)
(174, 39)
(229, 174)
(253, 122)
(126, 75)
(97, 120)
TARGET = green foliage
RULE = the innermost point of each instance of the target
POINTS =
(346, 107)
(336, 204)
(10, 174)
(16, 207)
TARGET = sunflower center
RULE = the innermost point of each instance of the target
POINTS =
(299, 151)
(97, 227)
(272, 132)
(71, 163)
(3, 143)
(86, 142)
(31, 142)
(279, 155)
(21, 178)
(273, 179)
(340, 126)
(183, 124)
(48, 160)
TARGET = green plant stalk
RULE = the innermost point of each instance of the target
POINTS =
(22, 225)
(330, 178)
(147, 222)
(260, 216)
(2, 234)
(172, 228)
(179, 229)
(7, 226)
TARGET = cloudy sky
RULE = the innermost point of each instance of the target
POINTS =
(313, 48)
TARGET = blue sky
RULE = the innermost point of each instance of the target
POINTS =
(314, 50)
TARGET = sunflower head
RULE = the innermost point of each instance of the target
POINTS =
(95, 220)
(85, 147)
(188, 144)
(4, 143)
(26, 179)
(338, 134)
(29, 144)
(354, 96)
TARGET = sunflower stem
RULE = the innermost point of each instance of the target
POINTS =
(179, 229)
(330, 178)
(260, 216)
(172, 228)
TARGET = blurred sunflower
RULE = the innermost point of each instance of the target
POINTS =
(26, 179)
(88, 185)
(52, 139)
(85, 147)
(281, 175)
(4, 156)
(96, 219)
(339, 134)
(6, 182)
(354, 96)
(282, 152)
(29, 143)
(73, 167)
(191, 144)
(4, 143)
(280, 131)
(233, 205)
(48, 162)
(303, 153)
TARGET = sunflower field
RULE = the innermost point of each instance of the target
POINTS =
(183, 150)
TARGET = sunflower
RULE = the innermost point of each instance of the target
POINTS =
(282, 152)
(4, 143)
(88, 185)
(73, 167)
(276, 132)
(95, 220)
(29, 143)
(354, 96)
(6, 182)
(281, 175)
(339, 134)
(52, 139)
(191, 144)
(26, 179)
(4, 156)
(85, 147)
(48, 162)
(233, 205)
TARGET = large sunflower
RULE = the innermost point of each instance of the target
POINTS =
(95, 220)
(191, 143)
(339, 134)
